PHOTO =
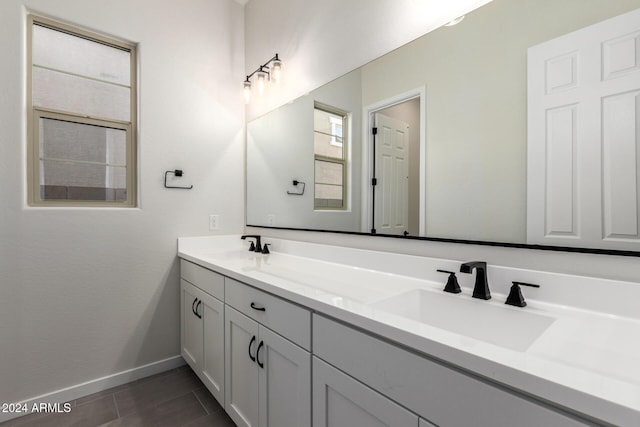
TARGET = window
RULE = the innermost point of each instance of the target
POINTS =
(330, 148)
(82, 108)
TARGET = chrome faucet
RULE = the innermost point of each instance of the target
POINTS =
(257, 247)
(481, 288)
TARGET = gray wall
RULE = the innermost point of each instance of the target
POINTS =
(88, 293)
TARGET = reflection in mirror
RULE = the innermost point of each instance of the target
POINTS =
(284, 146)
(466, 172)
(329, 142)
(396, 169)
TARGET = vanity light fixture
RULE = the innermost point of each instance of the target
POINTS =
(454, 22)
(270, 71)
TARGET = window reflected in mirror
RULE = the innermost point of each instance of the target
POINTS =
(329, 137)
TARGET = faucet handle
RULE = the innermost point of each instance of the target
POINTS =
(515, 294)
(265, 248)
(452, 285)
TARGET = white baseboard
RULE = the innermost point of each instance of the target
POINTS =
(99, 384)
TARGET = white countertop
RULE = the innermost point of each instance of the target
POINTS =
(586, 359)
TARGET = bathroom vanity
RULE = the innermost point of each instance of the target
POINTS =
(367, 338)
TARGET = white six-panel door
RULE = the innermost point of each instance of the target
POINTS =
(583, 137)
(392, 172)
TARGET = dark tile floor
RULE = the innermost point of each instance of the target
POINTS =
(173, 398)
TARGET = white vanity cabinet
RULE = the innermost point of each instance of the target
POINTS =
(439, 393)
(317, 335)
(202, 325)
(268, 377)
(339, 400)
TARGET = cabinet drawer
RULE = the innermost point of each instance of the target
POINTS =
(285, 318)
(207, 280)
(436, 392)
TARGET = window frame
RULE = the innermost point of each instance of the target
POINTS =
(35, 114)
(344, 161)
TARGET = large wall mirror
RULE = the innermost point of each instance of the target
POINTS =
(480, 133)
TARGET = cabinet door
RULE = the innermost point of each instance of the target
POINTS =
(241, 371)
(285, 382)
(191, 329)
(339, 400)
(212, 374)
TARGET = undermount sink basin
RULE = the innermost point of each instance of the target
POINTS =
(504, 326)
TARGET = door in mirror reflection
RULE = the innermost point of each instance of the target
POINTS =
(396, 169)
(391, 190)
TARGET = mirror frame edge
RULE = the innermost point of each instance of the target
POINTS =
(593, 251)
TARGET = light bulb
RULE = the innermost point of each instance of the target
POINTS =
(247, 91)
(276, 71)
(262, 76)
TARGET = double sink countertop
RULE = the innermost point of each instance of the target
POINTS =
(576, 344)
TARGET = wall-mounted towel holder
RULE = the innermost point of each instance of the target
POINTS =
(178, 173)
(295, 184)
